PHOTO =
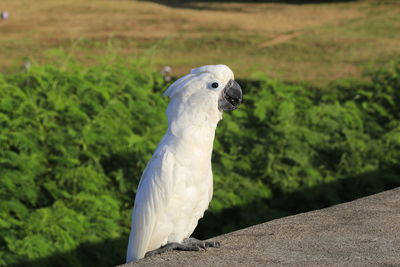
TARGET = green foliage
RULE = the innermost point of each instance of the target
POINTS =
(74, 141)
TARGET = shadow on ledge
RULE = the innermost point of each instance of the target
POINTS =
(112, 252)
(194, 4)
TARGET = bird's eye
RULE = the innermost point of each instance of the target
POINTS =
(214, 85)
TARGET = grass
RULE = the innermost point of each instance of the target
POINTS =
(316, 43)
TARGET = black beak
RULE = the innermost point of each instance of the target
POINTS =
(231, 97)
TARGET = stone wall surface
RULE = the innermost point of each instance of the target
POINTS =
(364, 232)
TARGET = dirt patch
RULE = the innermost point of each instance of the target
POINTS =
(279, 39)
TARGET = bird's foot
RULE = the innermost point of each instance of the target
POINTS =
(189, 244)
(191, 241)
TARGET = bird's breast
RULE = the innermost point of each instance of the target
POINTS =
(192, 183)
(191, 199)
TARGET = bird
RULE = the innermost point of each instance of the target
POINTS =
(176, 186)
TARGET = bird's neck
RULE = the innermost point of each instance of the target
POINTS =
(193, 134)
(191, 127)
(196, 126)
(192, 138)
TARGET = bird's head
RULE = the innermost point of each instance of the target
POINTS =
(210, 87)
(199, 98)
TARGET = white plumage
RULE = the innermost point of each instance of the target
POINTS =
(176, 186)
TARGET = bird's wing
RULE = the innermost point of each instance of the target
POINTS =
(153, 194)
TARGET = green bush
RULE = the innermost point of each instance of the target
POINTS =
(74, 141)
(69, 140)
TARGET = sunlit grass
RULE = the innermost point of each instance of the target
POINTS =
(315, 43)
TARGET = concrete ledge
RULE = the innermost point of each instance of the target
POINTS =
(364, 232)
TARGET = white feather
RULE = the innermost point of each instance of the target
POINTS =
(176, 186)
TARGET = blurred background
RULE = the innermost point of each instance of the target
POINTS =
(81, 111)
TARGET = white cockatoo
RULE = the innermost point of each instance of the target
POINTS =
(176, 185)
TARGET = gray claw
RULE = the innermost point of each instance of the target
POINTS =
(189, 244)
(212, 244)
